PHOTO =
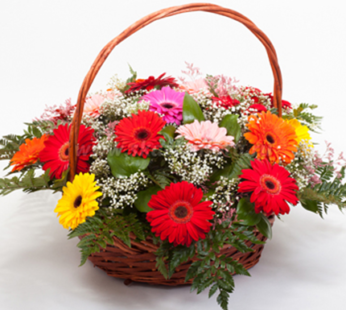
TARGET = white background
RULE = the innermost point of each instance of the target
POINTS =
(47, 47)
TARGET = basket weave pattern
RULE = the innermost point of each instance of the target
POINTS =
(138, 263)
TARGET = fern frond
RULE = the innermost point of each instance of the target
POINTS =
(27, 182)
(100, 229)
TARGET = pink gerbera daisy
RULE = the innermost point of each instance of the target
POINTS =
(168, 103)
(93, 103)
(205, 135)
(195, 86)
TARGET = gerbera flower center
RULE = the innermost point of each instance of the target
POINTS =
(64, 152)
(167, 105)
(270, 184)
(142, 134)
(181, 212)
(270, 138)
(78, 201)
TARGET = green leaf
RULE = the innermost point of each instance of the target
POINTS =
(144, 197)
(133, 72)
(180, 255)
(161, 266)
(60, 183)
(222, 299)
(312, 205)
(264, 227)
(233, 170)
(230, 122)
(213, 290)
(228, 280)
(208, 194)
(37, 133)
(123, 165)
(160, 177)
(168, 132)
(246, 212)
(192, 271)
(191, 110)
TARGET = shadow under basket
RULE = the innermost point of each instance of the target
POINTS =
(138, 263)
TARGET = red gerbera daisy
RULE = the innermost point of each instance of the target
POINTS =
(285, 104)
(257, 108)
(138, 134)
(271, 187)
(253, 93)
(151, 82)
(55, 155)
(179, 215)
(225, 102)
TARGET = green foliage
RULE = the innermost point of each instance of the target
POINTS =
(191, 110)
(211, 268)
(172, 144)
(9, 145)
(246, 212)
(264, 227)
(303, 114)
(26, 182)
(230, 122)
(331, 191)
(161, 178)
(144, 197)
(45, 126)
(247, 216)
(131, 79)
(313, 206)
(123, 165)
(33, 131)
(168, 132)
(99, 230)
(274, 111)
(233, 170)
(319, 198)
(59, 184)
(325, 172)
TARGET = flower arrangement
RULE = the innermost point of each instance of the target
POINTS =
(195, 164)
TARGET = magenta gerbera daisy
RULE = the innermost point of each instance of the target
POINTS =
(168, 103)
(271, 187)
(55, 155)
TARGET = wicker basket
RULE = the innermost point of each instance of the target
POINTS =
(138, 263)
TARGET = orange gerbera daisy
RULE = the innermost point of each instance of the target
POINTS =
(272, 138)
(28, 153)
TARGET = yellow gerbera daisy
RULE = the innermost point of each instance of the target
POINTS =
(302, 131)
(78, 201)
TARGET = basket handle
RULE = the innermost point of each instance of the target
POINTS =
(206, 7)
